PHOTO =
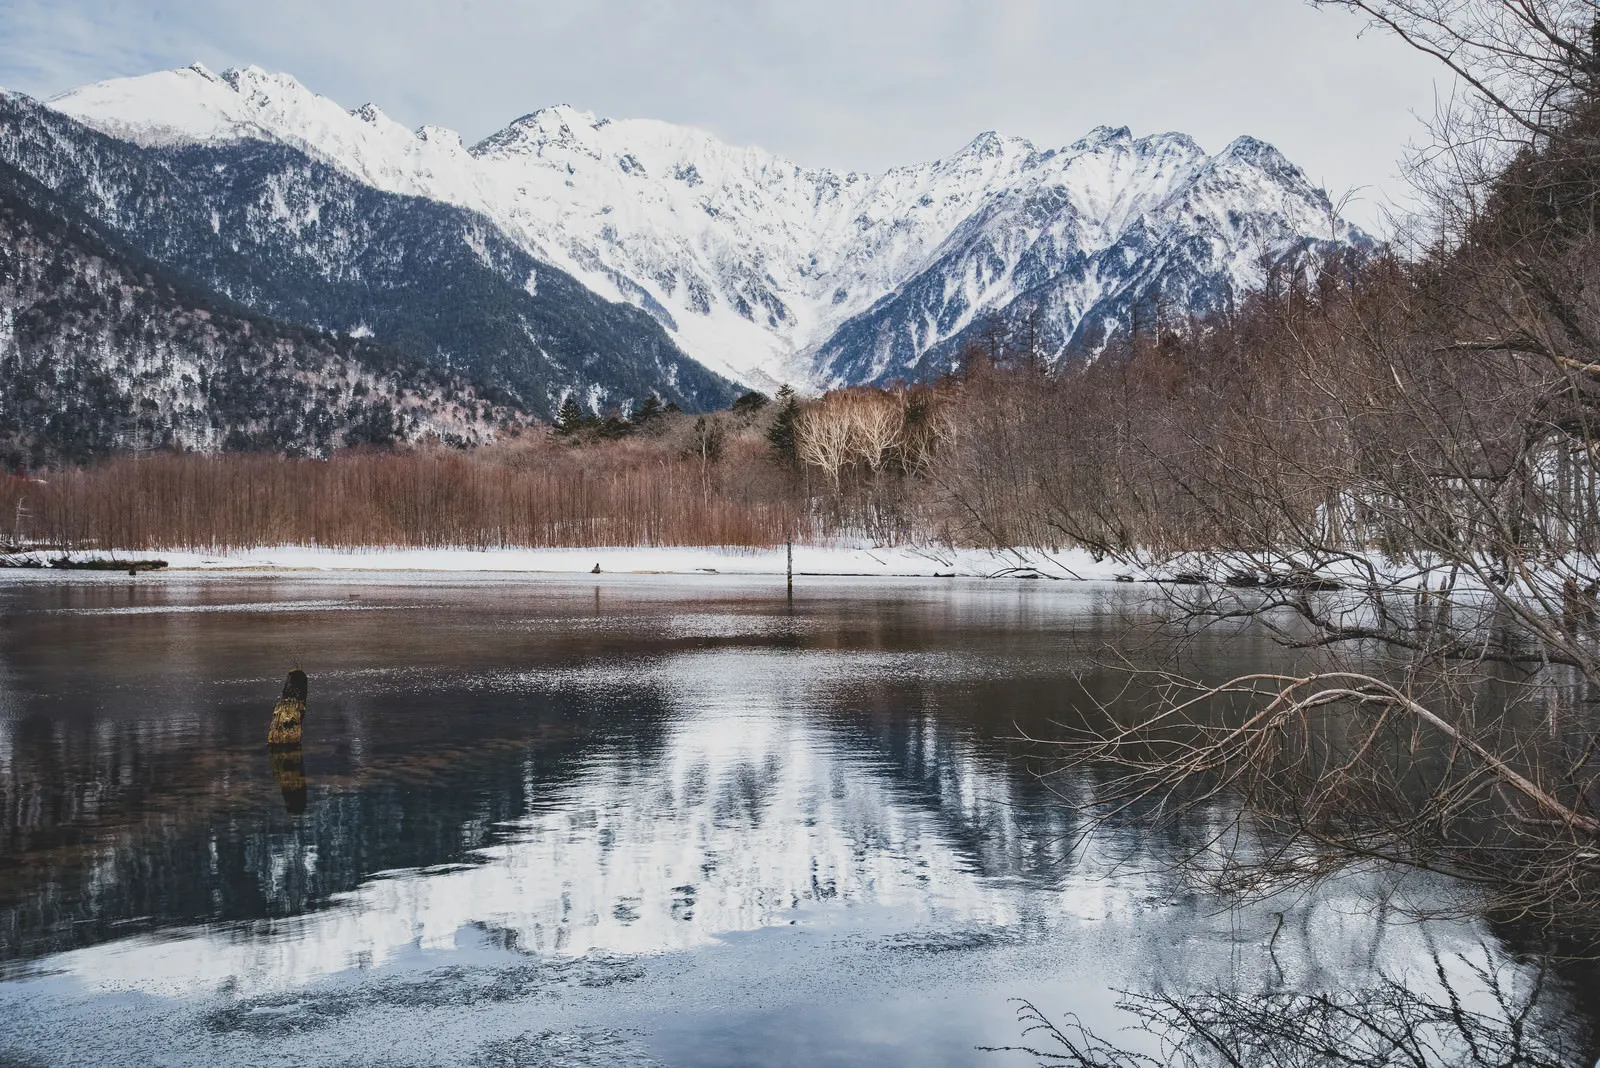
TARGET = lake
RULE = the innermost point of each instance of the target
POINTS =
(640, 820)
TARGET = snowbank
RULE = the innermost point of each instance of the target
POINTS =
(808, 560)
(1354, 571)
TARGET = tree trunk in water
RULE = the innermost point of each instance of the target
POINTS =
(290, 711)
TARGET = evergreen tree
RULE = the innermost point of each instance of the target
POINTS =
(781, 435)
(750, 403)
(570, 419)
(706, 444)
(648, 412)
(615, 426)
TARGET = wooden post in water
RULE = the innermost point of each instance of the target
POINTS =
(790, 546)
(290, 711)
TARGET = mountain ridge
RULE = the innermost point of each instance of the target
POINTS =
(767, 271)
(268, 227)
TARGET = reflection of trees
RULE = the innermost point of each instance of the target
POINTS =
(1003, 820)
(963, 759)
(433, 790)
(1479, 1016)
(232, 862)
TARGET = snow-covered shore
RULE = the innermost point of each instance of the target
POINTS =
(924, 562)
(1353, 571)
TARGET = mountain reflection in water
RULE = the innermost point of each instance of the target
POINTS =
(609, 774)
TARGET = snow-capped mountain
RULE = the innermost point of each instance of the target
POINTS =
(1112, 233)
(767, 271)
(267, 227)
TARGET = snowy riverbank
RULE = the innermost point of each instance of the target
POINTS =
(923, 562)
(1354, 571)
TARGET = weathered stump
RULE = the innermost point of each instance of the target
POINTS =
(290, 711)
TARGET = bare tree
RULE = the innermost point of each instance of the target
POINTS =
(877, 421)
(1521, 72)
(1392, 467)
(1512, 1021)
(823, 434)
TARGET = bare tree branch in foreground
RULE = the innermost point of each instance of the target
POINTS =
(1511, 1023)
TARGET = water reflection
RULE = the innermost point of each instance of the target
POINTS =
(750, 797)
(585, 777)
(289, 772)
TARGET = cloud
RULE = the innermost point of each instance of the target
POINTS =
(843, 83)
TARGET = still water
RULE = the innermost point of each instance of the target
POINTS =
(627, 820)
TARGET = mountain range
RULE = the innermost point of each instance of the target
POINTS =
(613, 259)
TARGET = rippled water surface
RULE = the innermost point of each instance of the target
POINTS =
(623, 821)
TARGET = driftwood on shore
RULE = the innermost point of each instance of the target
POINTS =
(290, 711)
(66, 563)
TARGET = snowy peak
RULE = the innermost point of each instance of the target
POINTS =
(1102, 134)
(439, 135)
(556, 127)
(1248, 152)
(991, 145)
(169, 107)
(752, 263)
(193, 105)
(1256, 152)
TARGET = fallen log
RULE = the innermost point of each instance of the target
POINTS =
(66, 563)
(290, 711)
(1299, 580)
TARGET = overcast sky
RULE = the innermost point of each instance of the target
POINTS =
(861, 84)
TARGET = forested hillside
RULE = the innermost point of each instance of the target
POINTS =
(103, 351)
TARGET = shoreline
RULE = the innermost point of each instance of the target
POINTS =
(1350, 572)
(810, 561)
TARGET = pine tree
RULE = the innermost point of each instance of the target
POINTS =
(615, 426)
(648, 412)
(570, 419)
(781, 435)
